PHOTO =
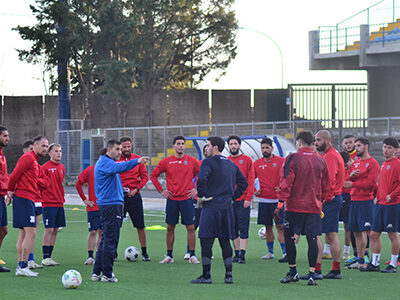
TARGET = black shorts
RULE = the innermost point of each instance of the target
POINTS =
(266, 214)
(344, 211)
(3, 213)
(217, 223)
(242, 219)
(53, 217)
(134, 206)
(302, 223)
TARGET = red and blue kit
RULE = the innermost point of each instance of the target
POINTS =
(53, 195)
(24, 178)
(245, 165)
(364, 184)
(87, 176)
(3, 174)
(268, 173)
(389, 182)
(179, 173)
(336, 170)
(136, 177)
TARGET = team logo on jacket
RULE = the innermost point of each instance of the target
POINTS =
(388, 167)
(185, 162)
(274, 165)
(241, 161)
(366, 165)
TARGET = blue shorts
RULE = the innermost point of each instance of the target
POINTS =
(23, 213)
(344, 211)
(183, 207)
(386, 218)
(53, 217)
(38, 210)
(302, 223)
(217, 223)
(266, 214)
(134, 206)
(242, 219)
(94, 220)
(3, 213)
(361, 215)
(330, 221)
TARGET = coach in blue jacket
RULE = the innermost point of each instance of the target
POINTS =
(110, 198)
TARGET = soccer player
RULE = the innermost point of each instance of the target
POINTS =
(27, 146)
(348, 145)
(241, 206)
(334, 201)
(304, 186)
(110, 198)
(362, 181)
(267, 170)
(4, 139)
(92, 210)
(23, 189)
(132, 182)
(219, 182)
(53, 203)
(179, 169)
(387, 211)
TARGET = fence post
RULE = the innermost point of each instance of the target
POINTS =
(333, 105)
(165, 141)
(364, 129)
(252, 128)
(389, 126)
(149, 146)
(134, 140)
(340, 131)
(294, 130)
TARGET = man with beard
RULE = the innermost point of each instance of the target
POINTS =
(179, 169)
(241, 206)
(4, 139)
(362, 181)
(334, 201)
(267, 170)
(23, 188)
(132, 182)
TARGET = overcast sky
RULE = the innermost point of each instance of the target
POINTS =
(257, 64)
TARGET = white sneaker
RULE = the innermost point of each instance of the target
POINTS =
(167, 260)
(187, 256)
(193, 260)
(356, 265)
(25, 272)
(89, 261)
(49, 262)
(95, 277)
(269, 255)
(107, 279)
(346, 255)
(33, 265)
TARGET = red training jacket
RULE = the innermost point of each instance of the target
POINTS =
(53, 196)
(87, 176)
(304, 182)
(336, 170)
(179, 174)
(268, 173)
(245, 165)
(389, 182)
(3, 174)
(136, 177)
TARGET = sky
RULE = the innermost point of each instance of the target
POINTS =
(256, 66)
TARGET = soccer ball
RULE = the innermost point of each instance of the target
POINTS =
(261, 233)
(131, 253)
(71, 279)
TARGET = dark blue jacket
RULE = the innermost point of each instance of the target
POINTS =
(107, 184)
(218, 178)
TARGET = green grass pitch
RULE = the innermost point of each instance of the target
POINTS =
(257, 279)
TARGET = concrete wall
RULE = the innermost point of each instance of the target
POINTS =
(231, 106)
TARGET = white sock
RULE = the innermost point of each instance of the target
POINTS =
(327, 249)
(393, 260)
(375, 259)
(346, 249)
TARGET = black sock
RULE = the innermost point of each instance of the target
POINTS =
(46, 252)
(144, 251)
(90, 253)
(311, 274)
(236, 253)
(293, 270)
(242, 253)
(51, 250)
(191, 253)
(226, 255)
(169, 253)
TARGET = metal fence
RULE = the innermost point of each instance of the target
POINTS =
(156, 142)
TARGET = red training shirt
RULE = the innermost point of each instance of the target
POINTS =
(268, 173)
(136, 177)
(87, 176)
(3, 174)
(245, 165)
(179, 174)
(389, 182)
(336, 170)
(53, 195)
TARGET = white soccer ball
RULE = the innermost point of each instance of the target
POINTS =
(131, 253)
(71, 279)
(261, 233)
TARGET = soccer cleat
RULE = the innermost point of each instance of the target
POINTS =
(235, 259)
(366, 258)
(187, 256)
(25, 272)
(95, 277)
(317, 276)
(326, 256)
(167, 260)
(33, 265)
(269, 255)
(389, 269)
(370, 268)
(333, 275)
(4, 269)
(290, 278)
(104, 278)
(351, 260)
(201, 280)
(388, 262)
(356, 265)
(146, 258)
(193, 260)
(89, 261)
(311, 281)
(346, 255)
(284, 259)
(242, 260)
(2, 262)
(49, 262)
(228, 279)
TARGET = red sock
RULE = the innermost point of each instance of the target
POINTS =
(318, 267)
(335, 266)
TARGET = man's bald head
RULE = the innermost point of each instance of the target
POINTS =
(324, 134)
(323, 140)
